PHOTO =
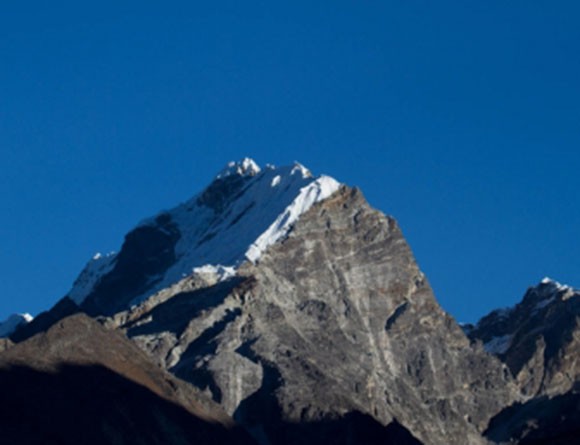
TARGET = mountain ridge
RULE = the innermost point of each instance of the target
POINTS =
(295, 306)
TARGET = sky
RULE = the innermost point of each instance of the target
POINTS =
(460, 119)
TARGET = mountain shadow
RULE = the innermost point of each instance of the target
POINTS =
(174, 314)
(86, 405)
(540, 421)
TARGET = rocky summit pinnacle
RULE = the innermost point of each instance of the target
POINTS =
(245, 167)
(285, 303)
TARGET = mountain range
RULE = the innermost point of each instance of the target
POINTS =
(277, 307)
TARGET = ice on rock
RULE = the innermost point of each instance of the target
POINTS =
(316, 191)
(218, 239)
(276, 181)
(554, 284)
(221, 272)
(299, 168)
(551, 290)
(245, 167)
(498, 345)
(98, 266)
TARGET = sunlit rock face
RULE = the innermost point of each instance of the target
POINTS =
(334, 319)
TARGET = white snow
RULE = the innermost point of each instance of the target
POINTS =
(299, 168)
(8, 326)
(551, 290)
(498, 345)
(554, 284)
(98, 266)
(221, 272)
(320, 189)
(245, 167)
(275, 181)
(262, 213)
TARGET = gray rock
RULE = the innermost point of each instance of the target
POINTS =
(540, 344)
(336, 319)
(542, 339)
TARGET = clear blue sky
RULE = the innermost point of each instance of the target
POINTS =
(461, 119)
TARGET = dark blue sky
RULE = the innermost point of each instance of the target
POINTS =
(461, 119)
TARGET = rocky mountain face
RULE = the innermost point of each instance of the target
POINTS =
(539, 341)
(336, 319)
(285, 303)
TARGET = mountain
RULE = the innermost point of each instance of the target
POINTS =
(288, 303)
(79, 383)
(235, 219)
(12, 323)
(334, 320)
(539, 341)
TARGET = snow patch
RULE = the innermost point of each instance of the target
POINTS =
(498, 345)
(298, 168)
(97, 267)
(245, 167)
(216, 240)
(554, 284)
(221, 272)
(320, 189)
(552, 289)
(259, 214)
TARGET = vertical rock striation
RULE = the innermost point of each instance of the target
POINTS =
(334, 320)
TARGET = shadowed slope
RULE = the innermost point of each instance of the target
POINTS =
(94, 405)
(79, 383)
(540, 421)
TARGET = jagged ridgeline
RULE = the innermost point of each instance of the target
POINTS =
(278, 307)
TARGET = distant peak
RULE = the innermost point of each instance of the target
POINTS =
(299, 168)
(8, 326)
(245, 167)
(546, 281)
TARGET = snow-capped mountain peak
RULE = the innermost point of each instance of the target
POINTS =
(245, 167)
(549, 285)
(241, 213)
(499, 328)
(298, 168)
